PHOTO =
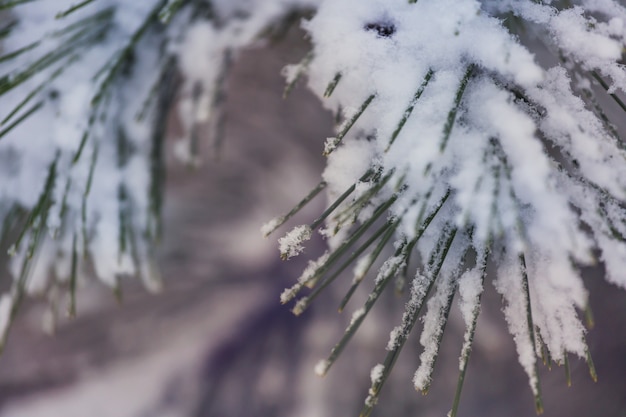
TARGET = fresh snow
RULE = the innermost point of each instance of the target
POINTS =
(523, 169)
(305, 278)
(443, 96)
(94, 118)
(291, 244)
(322, 367)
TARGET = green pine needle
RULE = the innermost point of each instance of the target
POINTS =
(531, 333)
(590, 364)
(470, 332)
(301, 69)
(332, 85)
(169, 10)
(304, 302)
(284, 218)
(20, 119)
(387, 231)
(568, 374)
(8, 4)
(445, 313)
(589, 320)
(73, 8)
(360, 314)
(606, 87)
(349, 123)
(409, 109)
(36, 91)
(19, 51)
(447, 129)
(371, 174)
(409, 319)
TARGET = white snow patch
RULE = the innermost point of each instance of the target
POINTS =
(290, 245)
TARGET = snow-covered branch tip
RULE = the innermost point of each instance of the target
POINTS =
(455, 142)
(469, 133)
(85, 93)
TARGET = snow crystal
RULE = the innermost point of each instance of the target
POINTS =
(305, 278)
(509, 284)
(419, 290)
(289, 293)
(361, 267)
(376, 376)
(377, 373)
(290, 245)
(300, 305)
(470, 289)
(394, 337)
(390, 267)
(270, 226)
(322, 367)
(291, 73)
(357, 315)
(330, 145)
(434, 323)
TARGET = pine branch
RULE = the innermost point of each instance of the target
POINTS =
(466, 149)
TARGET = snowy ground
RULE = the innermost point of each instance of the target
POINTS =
(218, 343)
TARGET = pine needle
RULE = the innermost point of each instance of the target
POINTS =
(409, 109)
(470, 331)
(592, 367)
(279, 221)
(373, 175)
(20, 119)
(447, 129)
(589, 317)
(7, 4)
(387, 232)
(301, 69)
(169, 10)
(606, 87)
(360, 314)
(531, 333)
(304, 302)
(410, 318)
(73, 8)
(348, 125)
(332, 85)
(568, 374)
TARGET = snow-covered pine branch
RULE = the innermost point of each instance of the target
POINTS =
(85, 91)
(473, 135)
(457, 142)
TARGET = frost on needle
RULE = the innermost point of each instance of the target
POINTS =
(481, 154)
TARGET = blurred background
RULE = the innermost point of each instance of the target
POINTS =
(217, 343)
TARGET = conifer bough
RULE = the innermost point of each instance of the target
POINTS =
(455, 142)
